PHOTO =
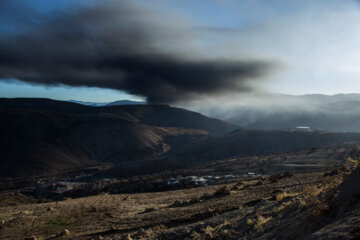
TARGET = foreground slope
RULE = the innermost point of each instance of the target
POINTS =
(300, 206)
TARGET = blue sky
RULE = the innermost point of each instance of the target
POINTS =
(314, 42)
(21, 89)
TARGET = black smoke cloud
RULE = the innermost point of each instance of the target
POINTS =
(117, 45)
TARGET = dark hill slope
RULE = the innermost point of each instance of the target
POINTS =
(251, 143)
(166, 116)
(42, 136)
(155, 115)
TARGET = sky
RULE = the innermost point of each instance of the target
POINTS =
(168, 51)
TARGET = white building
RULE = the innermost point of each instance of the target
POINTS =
(303, 129)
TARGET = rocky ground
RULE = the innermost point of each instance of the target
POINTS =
(322, 205)
(310, 194)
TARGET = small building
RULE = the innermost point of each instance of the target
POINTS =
(303, 129)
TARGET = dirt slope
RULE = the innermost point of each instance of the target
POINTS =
(288, 207)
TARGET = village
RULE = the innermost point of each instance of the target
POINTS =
(87, 185)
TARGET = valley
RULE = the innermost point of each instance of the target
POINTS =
(179, 120)
(158, 172)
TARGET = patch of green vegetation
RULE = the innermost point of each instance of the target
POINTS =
(59, 222)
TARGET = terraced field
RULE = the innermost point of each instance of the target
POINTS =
(245, 209)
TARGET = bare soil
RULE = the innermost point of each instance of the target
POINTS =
(253, 209)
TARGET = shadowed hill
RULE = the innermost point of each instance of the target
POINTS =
(253, 143)
(156, 115)
(239, 143)
(42, 136)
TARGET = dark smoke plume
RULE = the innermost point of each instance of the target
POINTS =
(117, 45)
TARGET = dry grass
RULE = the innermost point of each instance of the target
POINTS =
(329, 186)
(258, 223)
(316, 198)
(311, 194)
(313, 202)
(354, 162)
(282, 207)
(281, 196)
(87, 216)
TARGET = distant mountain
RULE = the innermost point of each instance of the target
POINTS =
(93, 104)
(338, 113)
(116, 103)
(125, 102)
(43, 136)
(337, 117)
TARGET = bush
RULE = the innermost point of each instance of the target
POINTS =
(312, 201)
(259, 222)
(281, 196)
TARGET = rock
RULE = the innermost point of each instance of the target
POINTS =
(206, 195)
(227, 191)
(208, 236)
(195, 235)
(237, 186)
(332, 173)
(93, 209)
(208, 232)
(159, 227)
(223, 191)
(150, 209)
(194, 200)
(31, 238)
(209, 210)
(99, 237)
(26, 212)
(276, 177)
(177, 203)
(128, 237)
(142, 232)
(114, 229)
(65, 232)
(264, 202)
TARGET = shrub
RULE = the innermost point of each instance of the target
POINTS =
(312, 201)
(281, 196)
(259, 222)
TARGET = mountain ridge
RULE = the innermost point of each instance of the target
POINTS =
(43, 135)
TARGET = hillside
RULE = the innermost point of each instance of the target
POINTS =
(41, 136)
(282, 206)
(335, 113)
(342, 116)
(256, 143)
